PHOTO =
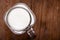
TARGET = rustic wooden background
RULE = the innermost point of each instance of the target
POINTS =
(47, 26)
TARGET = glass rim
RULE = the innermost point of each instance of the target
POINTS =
(28, 26)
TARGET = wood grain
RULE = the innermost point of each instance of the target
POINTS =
(47, 26)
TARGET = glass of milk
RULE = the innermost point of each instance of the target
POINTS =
(20, 19)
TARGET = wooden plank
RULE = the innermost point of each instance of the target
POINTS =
(36, 7)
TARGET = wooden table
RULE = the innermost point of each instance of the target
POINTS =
(47, 26)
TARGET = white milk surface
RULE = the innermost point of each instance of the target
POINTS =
(18, 19)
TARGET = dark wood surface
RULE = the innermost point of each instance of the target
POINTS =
(47, 26)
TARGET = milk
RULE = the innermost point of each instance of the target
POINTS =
(18, 19)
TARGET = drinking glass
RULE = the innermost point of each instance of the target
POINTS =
(20, 19)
